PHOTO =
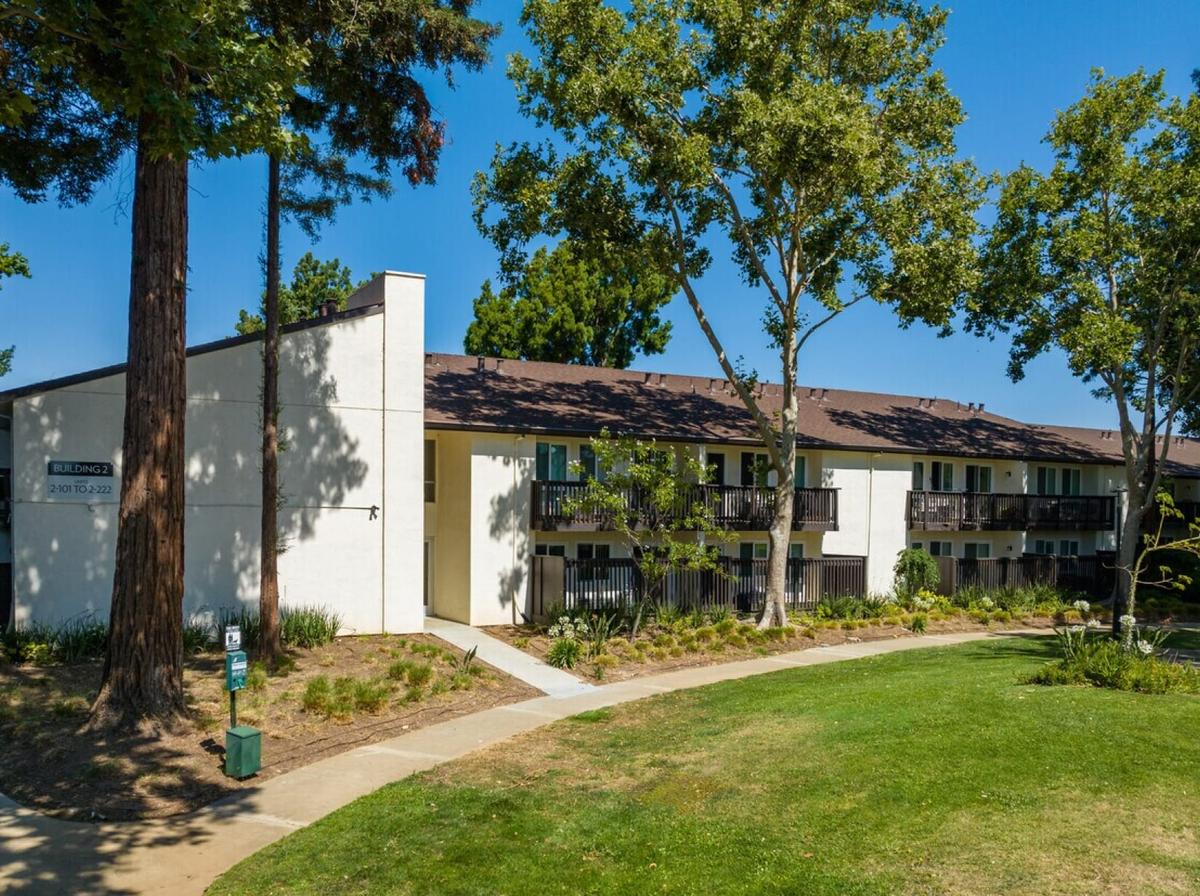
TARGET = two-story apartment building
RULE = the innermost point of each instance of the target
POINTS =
(429, 483)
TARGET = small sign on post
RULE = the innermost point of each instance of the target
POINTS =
(243, 744)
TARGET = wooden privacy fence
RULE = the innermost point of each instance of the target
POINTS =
(1093, 575)
(736, 584)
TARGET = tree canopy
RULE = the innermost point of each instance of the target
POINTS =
(567, 306)
(314, 282)
(12, 264)
(1100, 257)
(816, 140)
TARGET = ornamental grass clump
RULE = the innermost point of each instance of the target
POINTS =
(567, 636)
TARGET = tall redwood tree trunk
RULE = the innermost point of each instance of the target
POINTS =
(268, 600)
(143, 667)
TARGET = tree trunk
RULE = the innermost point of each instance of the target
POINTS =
(1131, 530)
(143, 667)
(779, 537)
(268, 600)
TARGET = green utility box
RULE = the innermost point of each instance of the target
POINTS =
(243, 751)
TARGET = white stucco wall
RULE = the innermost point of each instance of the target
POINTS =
(502, 469)
(873, 490)
(352, 407)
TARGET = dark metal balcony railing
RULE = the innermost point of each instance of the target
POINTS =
(735, 507)
(968, 511)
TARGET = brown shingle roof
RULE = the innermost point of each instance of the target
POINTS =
(464, 392)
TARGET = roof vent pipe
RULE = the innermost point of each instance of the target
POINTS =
(481, 363)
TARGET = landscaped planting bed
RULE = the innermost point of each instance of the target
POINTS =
(938, 771)
(320, 701)
(670, 638)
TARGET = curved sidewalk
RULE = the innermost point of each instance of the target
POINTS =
(183, 855)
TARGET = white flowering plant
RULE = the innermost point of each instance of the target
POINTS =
(571, 629)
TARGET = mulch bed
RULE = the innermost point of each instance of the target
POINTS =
(49, 764)
(533, 640)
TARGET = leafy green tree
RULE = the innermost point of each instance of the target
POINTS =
(359, 101)
(1100, 258)
(81, 85)
(12, 264)
(815, 141)
(648, 496)
(915, 571)
(314, 282)
(566, 307)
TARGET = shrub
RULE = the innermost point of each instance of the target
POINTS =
(521, 643)
(726, 625)
(1092, 658)
(564, 653)
(705, 633)
(316, 694)
(915, 570)
(918, 623)
(717, 615)
(733, 639)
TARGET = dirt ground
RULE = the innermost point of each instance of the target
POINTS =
(533, 640)
(50, 765)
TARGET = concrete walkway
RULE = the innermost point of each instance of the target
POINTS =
(507, 658)
(183, 855)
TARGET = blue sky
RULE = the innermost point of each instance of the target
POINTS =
(1012, 63)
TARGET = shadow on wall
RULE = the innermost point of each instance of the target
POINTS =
(508, 525)
(64, 556)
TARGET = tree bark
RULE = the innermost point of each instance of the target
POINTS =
(268, 600)
(779, 536)
(1131, 533)
(143, 667)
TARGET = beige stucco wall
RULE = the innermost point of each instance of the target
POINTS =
(451, 543)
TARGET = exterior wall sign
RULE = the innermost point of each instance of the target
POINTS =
(79, 478)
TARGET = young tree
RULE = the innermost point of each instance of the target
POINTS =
(1100, 258)
(567, 307)
(816, 139)
(361, 95)
(167, 79)
(648, 495)
(12, 264)
(314, 282)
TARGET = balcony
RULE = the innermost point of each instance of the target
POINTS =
(735, 507)
(971, 511)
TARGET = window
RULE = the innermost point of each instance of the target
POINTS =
(941, 474)
(918, 545)
(979, 479)
(587, 463)
(1043, 546)
(550, 550)
(754, 468)
(1070, 481)
(1047, 480)
(940, 549)
(1068, 548)
(795, 552)
(593, 551)
(918, 483)
(589, 553)
(977, 550)
(551, 462)
(430, 471)
(801, 473)
(752, 550)
(716, 467)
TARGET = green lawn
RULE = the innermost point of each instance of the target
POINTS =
(1183, 639)
(931, 771)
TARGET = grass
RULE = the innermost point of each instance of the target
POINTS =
(932, 771)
